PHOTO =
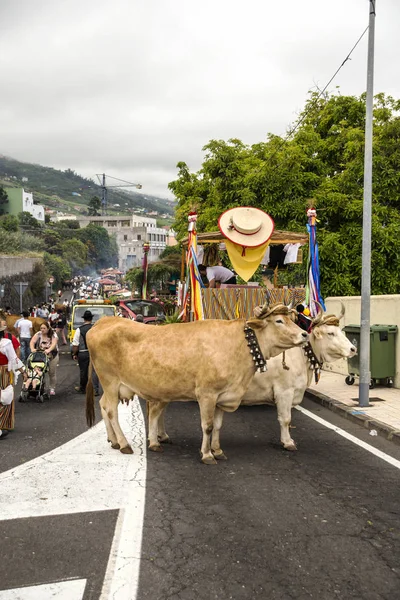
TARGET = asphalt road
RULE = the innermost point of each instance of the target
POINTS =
(320, 523)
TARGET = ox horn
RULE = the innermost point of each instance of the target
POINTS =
(317, 320)
(342, 310)
(259, 311)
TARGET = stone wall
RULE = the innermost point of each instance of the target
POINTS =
(14, 265)
(19, 268)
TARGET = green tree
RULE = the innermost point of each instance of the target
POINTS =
(321, 163)
(57, 267)
(3, 199)
(52, 240)
(72, 224)
(28, 222)
(75, 253)
(102, 247)
(19, 243)
(94, 206)
(9, 223)
(38, 280)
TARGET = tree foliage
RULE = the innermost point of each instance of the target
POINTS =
(102, 247)
(3, 199)
(57, 267)
(9, 223)
(94, 206)
(75, 253)
(17, 242)
(28, 222)
(321, 163)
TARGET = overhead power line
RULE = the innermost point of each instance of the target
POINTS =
(304, 116)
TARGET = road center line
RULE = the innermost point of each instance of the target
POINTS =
(386, 457)
(122, 575)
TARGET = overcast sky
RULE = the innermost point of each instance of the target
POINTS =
(131, 87)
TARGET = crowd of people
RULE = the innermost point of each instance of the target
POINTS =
(19, 342)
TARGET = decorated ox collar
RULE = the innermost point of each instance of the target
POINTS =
(260, 363)
(313, 361)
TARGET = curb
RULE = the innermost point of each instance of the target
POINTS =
(356, 415)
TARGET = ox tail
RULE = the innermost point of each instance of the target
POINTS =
(90, 416)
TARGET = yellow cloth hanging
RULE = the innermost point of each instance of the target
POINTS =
(245, 261)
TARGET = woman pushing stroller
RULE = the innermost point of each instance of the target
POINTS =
(46, 340)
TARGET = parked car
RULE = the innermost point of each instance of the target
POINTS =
(153, 312)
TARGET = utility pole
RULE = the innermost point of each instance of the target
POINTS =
(365, 373)
(104, 196)
(122, 184)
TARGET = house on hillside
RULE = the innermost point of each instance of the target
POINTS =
(21, 201)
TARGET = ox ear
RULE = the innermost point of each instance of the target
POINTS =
(256, 323)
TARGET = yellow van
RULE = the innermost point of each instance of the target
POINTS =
(98, 308)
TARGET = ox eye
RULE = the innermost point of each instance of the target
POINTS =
(331, 333)
(279, 321)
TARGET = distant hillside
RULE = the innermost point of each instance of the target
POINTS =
(67, 191)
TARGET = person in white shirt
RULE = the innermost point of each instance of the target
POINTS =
(24, 328)
(217, 274)
(53, 318)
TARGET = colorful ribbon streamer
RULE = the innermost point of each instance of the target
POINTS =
(146, 248)
(193, 282)
(313, 291)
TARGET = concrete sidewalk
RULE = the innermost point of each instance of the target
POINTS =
(382, 415)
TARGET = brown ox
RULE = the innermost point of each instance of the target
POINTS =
(12, 319)
(208, 361)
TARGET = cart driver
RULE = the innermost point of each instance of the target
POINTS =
(217, 275)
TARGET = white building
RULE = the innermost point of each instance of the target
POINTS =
(130, 232)
(21, 201)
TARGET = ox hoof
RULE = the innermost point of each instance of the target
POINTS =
(115, 446)
(164, 439)
(156, 448)
(126, 450)
(208, 460)
(291, 447)
(220, 455)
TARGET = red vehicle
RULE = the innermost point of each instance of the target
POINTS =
(153, 312)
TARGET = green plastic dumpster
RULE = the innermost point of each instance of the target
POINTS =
(382, 353)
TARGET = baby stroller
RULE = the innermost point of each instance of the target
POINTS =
(37, 365)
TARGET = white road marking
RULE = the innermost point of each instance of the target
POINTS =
(86, 475)
(83, 475)
(61, 590)
(386, 457)
(122, 575)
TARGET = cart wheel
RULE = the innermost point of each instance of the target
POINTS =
(349, 380)
(372, 384)
(390, 382)
(46, 397)
(40, 398)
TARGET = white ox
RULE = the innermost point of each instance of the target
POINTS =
(285, 388)
(208, 361)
